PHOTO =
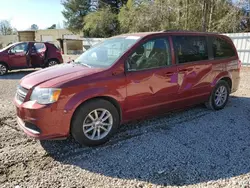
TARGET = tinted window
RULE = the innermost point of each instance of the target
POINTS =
(152, 54)
(222, 48)
(190, 48)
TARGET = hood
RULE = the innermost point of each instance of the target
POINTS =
(60, 73)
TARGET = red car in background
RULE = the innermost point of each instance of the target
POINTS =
(24, 55)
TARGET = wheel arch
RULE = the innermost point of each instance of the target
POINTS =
(5, 64)
(228, 80)
(107, 98)
(226, 76)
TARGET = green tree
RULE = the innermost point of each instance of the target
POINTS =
(102, 23)
(74, 13)
(52, 27)
(198, 15)
(6, 28)
(34, 27)
(114, 4)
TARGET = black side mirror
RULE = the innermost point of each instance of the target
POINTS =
(131, 65)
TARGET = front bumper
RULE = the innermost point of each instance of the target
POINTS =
(42, 121)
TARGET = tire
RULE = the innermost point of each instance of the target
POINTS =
(52, 62)
(212, 103)
(83, 117)
(3, 69)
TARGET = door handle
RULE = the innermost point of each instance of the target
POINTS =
(185, 70)
(168, 73)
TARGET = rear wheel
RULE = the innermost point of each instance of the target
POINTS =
(219, 97)
(3, 69)
(52, 62)
(95, 122)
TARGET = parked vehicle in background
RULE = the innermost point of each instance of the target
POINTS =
(24, 55)
(125, 78)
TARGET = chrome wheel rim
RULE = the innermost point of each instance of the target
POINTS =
(52, 63)
(97, 124)
(220, 96)
(3, 69)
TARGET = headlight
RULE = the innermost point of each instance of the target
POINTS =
(45, 95)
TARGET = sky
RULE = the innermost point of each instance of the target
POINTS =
(23, 13)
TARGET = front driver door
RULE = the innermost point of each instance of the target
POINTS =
(151, 79)
(17, 55)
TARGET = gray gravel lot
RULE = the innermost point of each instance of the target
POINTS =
(194, 148)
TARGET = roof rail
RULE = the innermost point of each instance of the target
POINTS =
(178, 30)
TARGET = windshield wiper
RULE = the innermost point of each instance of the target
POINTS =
(84, 64)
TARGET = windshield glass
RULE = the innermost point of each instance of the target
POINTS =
(107, 52)
(5, 48)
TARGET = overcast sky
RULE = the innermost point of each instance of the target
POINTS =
(23, 13)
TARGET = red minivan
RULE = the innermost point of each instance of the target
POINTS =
(23, 55)
(125, 78)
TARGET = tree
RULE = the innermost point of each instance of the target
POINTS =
(52, 27)
(5, 28)
(198, 15)
(74, 13)
(102, 23)
(114, 4)
(34, 27)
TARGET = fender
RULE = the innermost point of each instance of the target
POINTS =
(224, 74)
(90, 93)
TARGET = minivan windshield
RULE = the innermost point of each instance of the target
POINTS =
(105, 54)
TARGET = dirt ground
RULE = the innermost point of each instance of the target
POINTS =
(192, 148)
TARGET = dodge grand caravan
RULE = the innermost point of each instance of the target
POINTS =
(125, 78)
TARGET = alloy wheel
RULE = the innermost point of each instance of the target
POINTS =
(220, 96)
(3, 69)
(52, 63)
(97, 124)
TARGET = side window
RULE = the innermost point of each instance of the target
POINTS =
(152, 54)
(40, 47)
(19, 48)
(190, 48)
(222, 48)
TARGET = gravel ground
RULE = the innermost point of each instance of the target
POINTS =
(193, 148)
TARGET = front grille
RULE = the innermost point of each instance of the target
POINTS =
(21, 93)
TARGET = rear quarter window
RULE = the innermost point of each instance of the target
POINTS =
(221, 48)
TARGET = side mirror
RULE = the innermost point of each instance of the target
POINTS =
(130, 65)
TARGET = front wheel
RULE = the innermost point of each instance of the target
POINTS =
(219, 96)
(95, 122)
(3, 69)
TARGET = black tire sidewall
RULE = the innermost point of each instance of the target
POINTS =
(6, 69)
(220, 83)
(81, 114)
(50, 61)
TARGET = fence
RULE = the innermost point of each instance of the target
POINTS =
(242, 44)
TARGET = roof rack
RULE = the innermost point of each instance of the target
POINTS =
(176, 30)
